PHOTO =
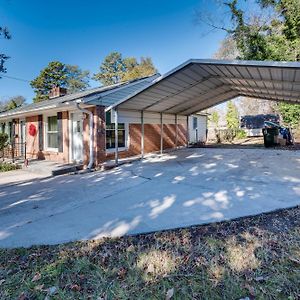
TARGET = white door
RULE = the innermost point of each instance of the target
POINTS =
(77, 137)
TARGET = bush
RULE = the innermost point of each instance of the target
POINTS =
(241, 134)
(5, 167)
(3, 142)
(228, 135)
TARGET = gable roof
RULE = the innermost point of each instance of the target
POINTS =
(199, 84)
(105, 95)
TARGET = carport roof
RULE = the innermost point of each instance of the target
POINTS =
(199, 84)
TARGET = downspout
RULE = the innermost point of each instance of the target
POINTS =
(91, 119)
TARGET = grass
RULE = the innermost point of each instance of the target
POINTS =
(5, 167)
(256, 257)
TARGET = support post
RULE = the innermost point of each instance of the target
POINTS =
(176, 131)
(116, 138)
(142, 134)
(161, 134)
(187, 132)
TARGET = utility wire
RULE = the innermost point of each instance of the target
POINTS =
(15, 78)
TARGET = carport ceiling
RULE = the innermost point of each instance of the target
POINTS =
(200, 84)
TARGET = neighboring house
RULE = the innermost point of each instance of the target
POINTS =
(72, 128)
(253, 124)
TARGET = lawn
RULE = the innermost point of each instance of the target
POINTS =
(255, 257)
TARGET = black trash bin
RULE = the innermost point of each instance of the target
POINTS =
(270, 135)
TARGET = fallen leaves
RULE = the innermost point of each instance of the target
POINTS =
(52, 290)
(170, 294)
(294, 260)
(193, 261)
(36, 277)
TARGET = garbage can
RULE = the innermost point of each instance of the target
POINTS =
(270, 136)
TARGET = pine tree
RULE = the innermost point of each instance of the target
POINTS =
(59, 74)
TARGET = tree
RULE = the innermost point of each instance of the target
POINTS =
(112, 69)
(215, 117)
(77, 79)
(290, 113)
(15, 102)
(115, 69)
(4, 33)
(11, 103)
(248, 106)
(138, 70)
(232, 116)
(58, 74)
(228, 49)
(275, 36)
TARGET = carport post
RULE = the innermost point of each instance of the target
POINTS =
(143, 134)
(187, 131)
(116, 138)
(176, 131)
(161, 134)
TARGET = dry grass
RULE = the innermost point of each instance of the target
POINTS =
(256, 257)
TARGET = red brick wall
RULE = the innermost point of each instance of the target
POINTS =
(99, 135)
(152, 139)
(32, 142)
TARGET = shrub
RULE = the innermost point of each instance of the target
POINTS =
(241, 134)
(228, 135)
(5, 167)
(3, 142)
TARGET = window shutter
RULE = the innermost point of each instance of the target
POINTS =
(41, 131)
(60, 132)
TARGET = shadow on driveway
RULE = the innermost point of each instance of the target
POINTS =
(181, 188)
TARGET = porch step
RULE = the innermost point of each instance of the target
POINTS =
(65, 169)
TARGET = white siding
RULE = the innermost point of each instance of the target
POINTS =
(134, 117)
(197, 134)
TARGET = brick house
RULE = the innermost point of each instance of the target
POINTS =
(81, 127)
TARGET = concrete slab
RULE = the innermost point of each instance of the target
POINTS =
(181, 188)
(37, 169)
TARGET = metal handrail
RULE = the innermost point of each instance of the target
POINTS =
(15, 150)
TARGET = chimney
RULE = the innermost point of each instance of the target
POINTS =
(57, 91)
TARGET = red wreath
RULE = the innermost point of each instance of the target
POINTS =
(32, 130)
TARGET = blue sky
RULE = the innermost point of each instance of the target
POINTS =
(84, 32)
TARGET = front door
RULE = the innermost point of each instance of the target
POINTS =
(77, 137)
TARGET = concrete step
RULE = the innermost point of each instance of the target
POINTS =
(65, 169)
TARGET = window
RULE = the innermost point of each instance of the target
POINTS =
(195, 125)
(110, 133)
(110, 136)
(52, 133)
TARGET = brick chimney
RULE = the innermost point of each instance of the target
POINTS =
(57, 91)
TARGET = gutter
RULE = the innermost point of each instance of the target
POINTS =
(91, 119)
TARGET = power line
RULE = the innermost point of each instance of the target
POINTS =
(15, 78)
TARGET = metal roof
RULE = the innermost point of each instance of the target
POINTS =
(117, 94)
(199, 84)
(105, 95)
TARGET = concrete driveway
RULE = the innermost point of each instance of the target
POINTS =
(182, 188)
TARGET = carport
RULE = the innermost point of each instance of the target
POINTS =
(200, 84)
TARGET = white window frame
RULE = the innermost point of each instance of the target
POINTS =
(110, 150)
(45, 118)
